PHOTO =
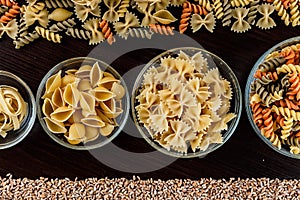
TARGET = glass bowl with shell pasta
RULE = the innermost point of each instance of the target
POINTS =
(82, 103)
(17, 109)
(186, 102)
(272, 97)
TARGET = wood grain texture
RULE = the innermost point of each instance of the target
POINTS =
(244, 155)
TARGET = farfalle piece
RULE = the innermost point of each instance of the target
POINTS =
(208, 22)
(92, 25)
(111, 14)
(11, 29)
(240, 25)
(82, 12)
(266, 22)
(41, 17)
(122, 28)
(90, 3)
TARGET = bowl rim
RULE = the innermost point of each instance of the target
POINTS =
(198, 153)
(250, 79)
(63, 64)
(31, 117)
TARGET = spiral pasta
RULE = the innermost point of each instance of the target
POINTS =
(60, 26)
(161, 29)
(140, 33)
(78, 33)
(59, 3)
(50, 36)
(123, 8)
(218, 9)
(275, 95)
(107, 31)
(25, 39)
(279, 7)
(295, 13)
(272, 63)
(240, 3)
(206, 4)
(226, 21)
(253, 11)
(267, 129)
(7, 3)
(185, 17)
(198, 9)
(10, 14)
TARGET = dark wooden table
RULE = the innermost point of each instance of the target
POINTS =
(244, 155)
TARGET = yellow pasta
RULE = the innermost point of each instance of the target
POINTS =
(82, 104)
(13, 109)
(179, 108)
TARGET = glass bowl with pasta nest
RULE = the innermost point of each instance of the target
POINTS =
(186, 102)
(272, 97)
(82, 103)
(17, 109)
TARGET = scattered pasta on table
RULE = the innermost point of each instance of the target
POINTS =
(96, 20)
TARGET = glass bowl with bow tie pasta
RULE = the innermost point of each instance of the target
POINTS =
(272, 97)
(17, 109)
(82, 103)
(186, 102)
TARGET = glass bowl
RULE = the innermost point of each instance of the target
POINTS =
(277, 141)
(13, 137)
(119, 121)
(153, 113)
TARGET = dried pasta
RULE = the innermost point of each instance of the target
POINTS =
(266, 22)
(240, 25)
(85, 106)
(178, 109)
(208, 22)
(133, 18)
(274, 97)
(13, 109)
(11, 29)
(50, 36)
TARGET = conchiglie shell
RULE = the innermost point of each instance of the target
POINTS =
(106, 130)
(53, 82)
(76, 131)
(108, 81)
(91, 134)
(71, 95)
(84, 85)
(62, 114)
(60, 14)
(67, 79)
(108, 107)
(55, 126)
(103, 117)
(57, 98)
(93, 121)
(74, 142)
(87, 102)
(71, 71)
(84, 71)
(118, 90)
(107, 74)
(96, 75)
(164, 17)
(76, 117)
(47, 108)
(103, 94)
